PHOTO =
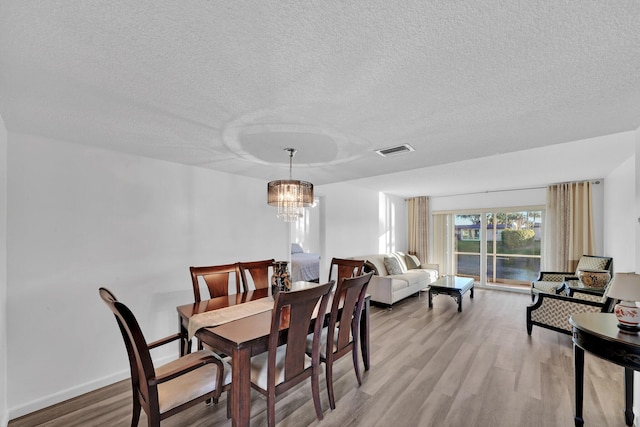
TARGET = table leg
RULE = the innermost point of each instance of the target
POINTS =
(471, 291)
(185, 343)
(430, 298)
(364, 335)
(628, 396)
(458, 296)
(578, 372)
(241, 387)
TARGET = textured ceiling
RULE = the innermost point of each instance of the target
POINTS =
(229, 84)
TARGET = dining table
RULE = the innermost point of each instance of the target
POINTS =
(239, 327)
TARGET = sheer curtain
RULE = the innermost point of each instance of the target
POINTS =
(442, 255)
(568, 226)
(418, 208)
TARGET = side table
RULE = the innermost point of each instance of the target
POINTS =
(598, 334)
(571, 286)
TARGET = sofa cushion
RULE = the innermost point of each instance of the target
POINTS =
(398, 283)
(412, 277)
(393, 266)
(412, 261)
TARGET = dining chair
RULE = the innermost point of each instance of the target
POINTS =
(217, 278)
(340, 336)
(258, 271)
(281, 367)
(341, 268)
(173, 387)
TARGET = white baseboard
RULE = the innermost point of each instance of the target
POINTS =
(62, 395)
(71, 392)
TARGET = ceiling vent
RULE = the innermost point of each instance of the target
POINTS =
(392, 151)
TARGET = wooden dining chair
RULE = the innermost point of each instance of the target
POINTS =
(217, 278)
(258, 271)
(342, 268)
(281, 367)
(173, 387)
(340, 336)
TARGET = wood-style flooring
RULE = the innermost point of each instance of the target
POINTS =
(430, 367)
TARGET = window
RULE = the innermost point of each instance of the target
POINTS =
(497, 246)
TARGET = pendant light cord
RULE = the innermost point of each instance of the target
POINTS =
(292, 152)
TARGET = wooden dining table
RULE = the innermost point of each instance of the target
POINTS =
(246, 337)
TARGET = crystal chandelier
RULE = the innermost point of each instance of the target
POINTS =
(290, 196)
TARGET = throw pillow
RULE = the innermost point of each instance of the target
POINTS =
(392, 265)
(412, 261)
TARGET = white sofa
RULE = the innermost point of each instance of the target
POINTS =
(388, 288)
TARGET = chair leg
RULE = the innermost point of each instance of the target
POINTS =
(154, 419)
(354, 353)
(315, 390)
(271, 410)
(329, 377)
(135, 416)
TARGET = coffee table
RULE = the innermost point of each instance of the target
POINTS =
(453, 286)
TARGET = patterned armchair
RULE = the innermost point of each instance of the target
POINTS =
(552, 311)
(553, 282)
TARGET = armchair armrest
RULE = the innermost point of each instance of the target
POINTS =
(553, 311)
(193, 365)
(163, 341)
(554, 276)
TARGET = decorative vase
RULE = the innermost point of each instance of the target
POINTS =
(628, 315)
(597, 279)
(280, 279)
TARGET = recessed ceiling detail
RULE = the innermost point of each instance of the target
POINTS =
(392, 151)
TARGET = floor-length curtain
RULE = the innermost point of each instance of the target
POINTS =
(418, 208)
(568, 226)
(442, 255)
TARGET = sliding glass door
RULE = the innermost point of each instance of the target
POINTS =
(513, 246)
(499, 246)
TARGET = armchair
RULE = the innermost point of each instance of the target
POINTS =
(553, 282)
(552, 311)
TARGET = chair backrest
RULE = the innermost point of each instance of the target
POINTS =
(346, 309)
(259, 272)
(342, 268)
(140, 361)
(217, 278)
(593, 262)
(296, 309)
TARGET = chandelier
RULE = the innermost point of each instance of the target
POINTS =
(290, 196)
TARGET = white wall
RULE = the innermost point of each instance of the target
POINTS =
(4, 417)
(80, 218)
(360, 222)
(620, 216)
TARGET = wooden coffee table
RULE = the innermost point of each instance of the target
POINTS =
(453, 286)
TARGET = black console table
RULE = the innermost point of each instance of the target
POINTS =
(598, 334)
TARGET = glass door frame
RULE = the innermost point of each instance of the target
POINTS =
(484, 249)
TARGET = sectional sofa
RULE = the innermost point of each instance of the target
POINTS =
(397, 276)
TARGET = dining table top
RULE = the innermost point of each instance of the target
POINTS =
(188, 310)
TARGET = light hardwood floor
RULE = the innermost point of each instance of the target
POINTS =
(430, 367)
